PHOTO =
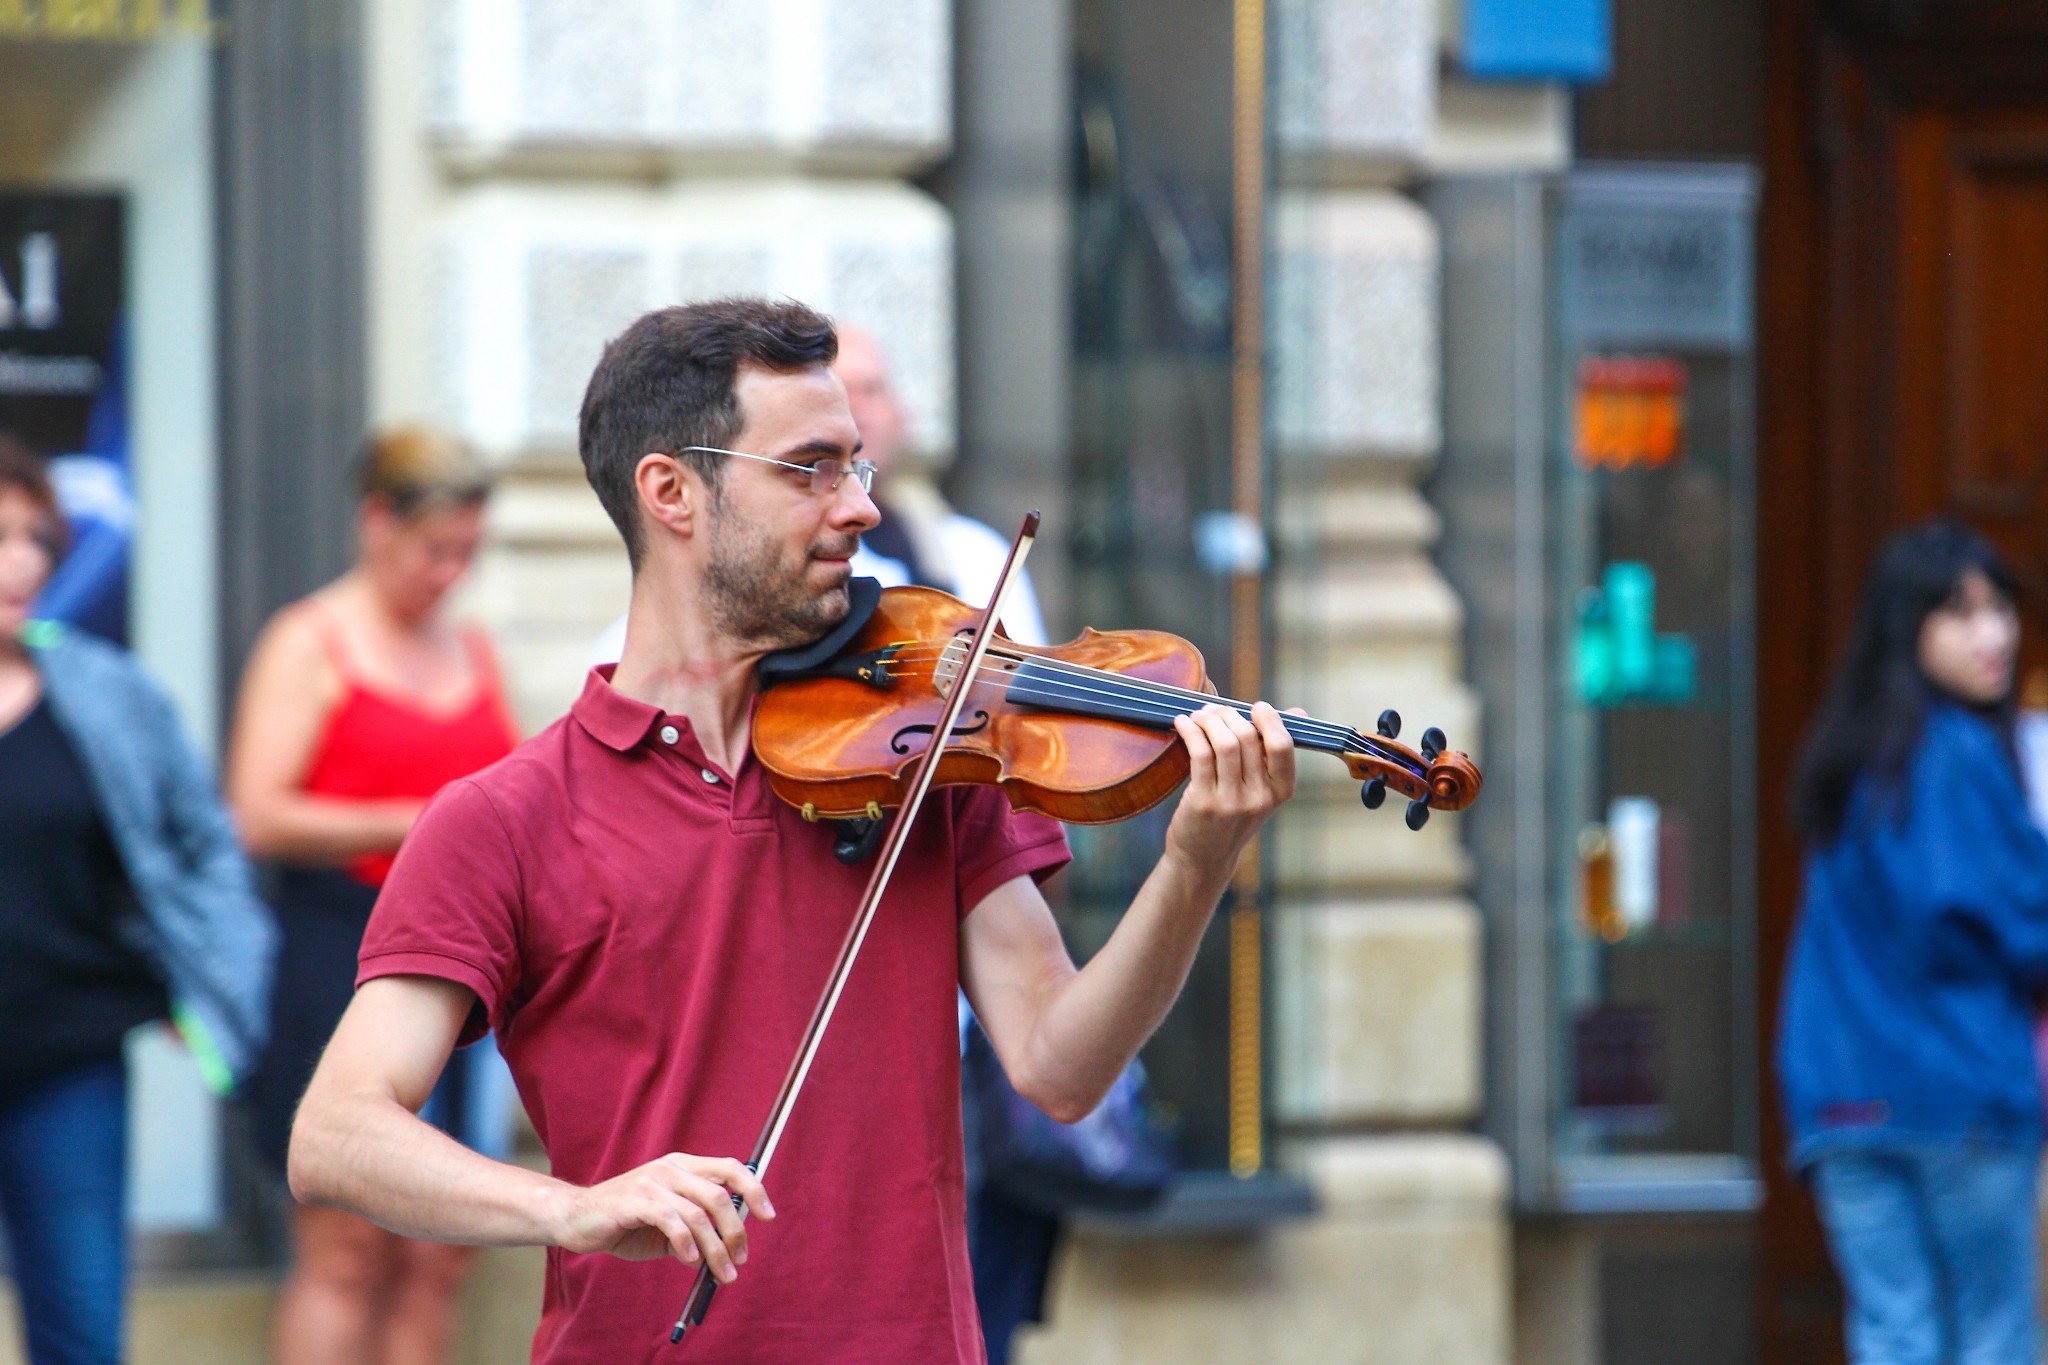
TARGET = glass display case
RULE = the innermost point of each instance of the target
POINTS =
(1170, 197)
(1151, 414)
(1598, 491)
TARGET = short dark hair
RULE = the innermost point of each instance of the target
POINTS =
(666, 383)
(27, 472)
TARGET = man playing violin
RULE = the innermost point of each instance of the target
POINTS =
(646, 926)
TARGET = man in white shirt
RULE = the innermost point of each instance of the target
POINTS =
(936, 545)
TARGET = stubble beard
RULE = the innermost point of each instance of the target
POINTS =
(758, 599)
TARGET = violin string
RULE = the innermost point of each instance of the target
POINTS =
(1163, 712)
(1062, 665)
(1301, 727)
(1344, 738)
(1140, 697)
(1119, 687)
(1141, 707)
(1116, 686)
(1329, 730)
(1151, 705)
(1135, 708)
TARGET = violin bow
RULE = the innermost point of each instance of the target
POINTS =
(699, 1302)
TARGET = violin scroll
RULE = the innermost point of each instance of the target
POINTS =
(1434, 779)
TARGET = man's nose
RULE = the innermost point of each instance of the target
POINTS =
(854, 507)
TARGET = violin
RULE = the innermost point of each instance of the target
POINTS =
(1082, 732)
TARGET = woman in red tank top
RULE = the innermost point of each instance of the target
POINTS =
(359, 703)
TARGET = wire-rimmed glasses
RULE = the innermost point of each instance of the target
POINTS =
(826, 475)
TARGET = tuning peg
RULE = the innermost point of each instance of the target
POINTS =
(1418, 813)
(1374, 793)
(1433, 743)
(1389, 724)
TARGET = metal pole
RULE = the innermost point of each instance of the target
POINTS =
(1248, 494)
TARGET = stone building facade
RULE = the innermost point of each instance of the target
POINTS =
(541, 172)
(544, 172)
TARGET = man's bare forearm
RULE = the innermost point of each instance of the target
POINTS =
(358, 1145)
(1094, 1021)
(370, 1155)
(1087, 1025)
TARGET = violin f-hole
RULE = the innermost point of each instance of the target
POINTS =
(896, 741)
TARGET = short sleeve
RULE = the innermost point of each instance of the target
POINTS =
(451, 907)
(993, 844)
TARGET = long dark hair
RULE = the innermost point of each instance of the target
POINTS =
(1871, 720)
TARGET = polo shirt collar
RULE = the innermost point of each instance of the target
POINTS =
(609, 715)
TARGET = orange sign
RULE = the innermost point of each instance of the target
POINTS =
(1631, 412)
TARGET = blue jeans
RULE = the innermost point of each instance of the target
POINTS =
(1937, 1246)
(63, 1178)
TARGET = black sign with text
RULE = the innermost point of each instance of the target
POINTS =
(63, 385)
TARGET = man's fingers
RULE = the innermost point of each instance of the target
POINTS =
(685, 1203)
(1251, 759)
(1244, 750)
(706, 1206)
(735, 1176)
(709, 1244)
(664, 1217)
(680, 1237)
(1201, 756)
(721, 1170)
(1279, 747)
(716, 1200)
(1227, 746)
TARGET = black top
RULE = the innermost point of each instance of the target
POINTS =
(69, 988)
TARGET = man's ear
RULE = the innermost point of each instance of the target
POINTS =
(669, 492)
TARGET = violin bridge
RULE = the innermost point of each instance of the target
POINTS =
(946, 672)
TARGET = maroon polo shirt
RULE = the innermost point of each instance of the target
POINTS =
(648, 935)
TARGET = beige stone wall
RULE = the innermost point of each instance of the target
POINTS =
(543, 171)
(1406, 1262)
(1376, 1007)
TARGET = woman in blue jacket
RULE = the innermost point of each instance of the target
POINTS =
(123, 897)
(1906, 1042)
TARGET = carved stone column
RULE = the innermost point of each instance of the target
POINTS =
(1377, 971)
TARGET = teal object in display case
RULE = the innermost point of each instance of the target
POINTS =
(1620, 657)
(1595, 649)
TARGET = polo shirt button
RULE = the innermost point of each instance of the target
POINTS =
(708, 776)
(669, 734)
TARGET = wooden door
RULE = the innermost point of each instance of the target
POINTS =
(1972, 395)
(1904, 374)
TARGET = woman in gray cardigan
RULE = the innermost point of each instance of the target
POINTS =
(124, 897)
